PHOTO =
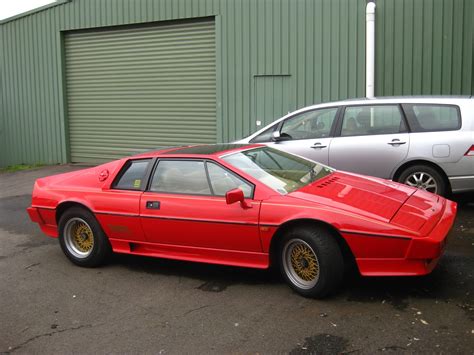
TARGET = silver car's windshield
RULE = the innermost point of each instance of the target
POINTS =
(280, 171)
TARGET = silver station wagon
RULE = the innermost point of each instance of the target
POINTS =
(426, 142)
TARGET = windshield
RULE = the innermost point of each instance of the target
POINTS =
(280, 171)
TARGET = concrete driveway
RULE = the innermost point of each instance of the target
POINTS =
(48, 305)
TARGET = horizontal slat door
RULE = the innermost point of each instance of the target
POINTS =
(135, 89)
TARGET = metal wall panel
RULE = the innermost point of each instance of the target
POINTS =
(135, 89)
(318, 43)
(33, 119)
(424, 47)
(272, 97)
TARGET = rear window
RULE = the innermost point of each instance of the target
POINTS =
(132, 176)
(432, 118)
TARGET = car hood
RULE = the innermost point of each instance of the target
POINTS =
(374, 197)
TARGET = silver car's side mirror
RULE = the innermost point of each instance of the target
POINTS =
(276, 136)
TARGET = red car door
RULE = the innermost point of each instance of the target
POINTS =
(185, 205)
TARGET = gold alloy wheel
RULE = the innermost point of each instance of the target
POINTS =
(304, 262)
(83, 237)
(300, 263)
(78, 237)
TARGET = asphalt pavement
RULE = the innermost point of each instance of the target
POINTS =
(137, 304)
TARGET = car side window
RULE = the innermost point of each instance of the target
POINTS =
(132, 176)
(309, 125)
(265, 136)
(180, 177)
(223, 180)
(432, 118)
(275, 161)
(372, 120)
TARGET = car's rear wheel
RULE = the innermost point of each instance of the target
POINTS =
(311, 261)
(82, 239)
(425, 178)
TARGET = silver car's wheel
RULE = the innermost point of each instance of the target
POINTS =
(300, 263)
(422, 180)
(78, 237)
(425, 177)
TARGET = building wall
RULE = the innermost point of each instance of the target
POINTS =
(313, 50)
(273, 56)
(425, 47)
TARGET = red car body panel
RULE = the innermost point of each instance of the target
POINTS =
(391, 229)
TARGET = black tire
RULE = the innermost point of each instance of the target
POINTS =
(328, 256)
(96, 250)
(408, 175)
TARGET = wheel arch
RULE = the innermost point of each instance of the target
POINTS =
(408, 164)
(309, 222)
(65, 205)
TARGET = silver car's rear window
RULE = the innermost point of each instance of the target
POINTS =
(433, 117)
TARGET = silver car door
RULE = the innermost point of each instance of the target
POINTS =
(308, 134)
(373, 140)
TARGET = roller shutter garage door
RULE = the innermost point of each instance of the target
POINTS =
(134, 89)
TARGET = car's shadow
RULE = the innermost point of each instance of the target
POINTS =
(450, 282)
(445, 284)
(217, 277)
(465, 199)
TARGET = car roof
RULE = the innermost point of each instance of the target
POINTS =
(441, 99)
(386, 99)
(198, 151)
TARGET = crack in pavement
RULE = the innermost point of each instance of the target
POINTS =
(31, 265)
(196, 309)
(29, 340)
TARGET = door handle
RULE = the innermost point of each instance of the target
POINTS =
(318, 146)
(153, 205)
(396, 142)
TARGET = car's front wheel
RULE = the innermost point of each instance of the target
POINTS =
(311, 261)
(82, 239)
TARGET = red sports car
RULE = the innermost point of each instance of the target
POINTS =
(244, 205)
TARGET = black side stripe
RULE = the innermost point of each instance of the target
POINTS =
(118, 214)
(177, 219)
(373, 235)
(200, 220)
(363, 234)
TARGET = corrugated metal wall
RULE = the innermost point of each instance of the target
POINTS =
(311, 49)
(318, 43)
(33, 120)
(424, 47)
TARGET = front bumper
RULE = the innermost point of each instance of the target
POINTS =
(421, 254)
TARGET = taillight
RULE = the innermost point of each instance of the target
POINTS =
(470, 152)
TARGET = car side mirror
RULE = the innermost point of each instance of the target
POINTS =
(236, 195)
(276, 137)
